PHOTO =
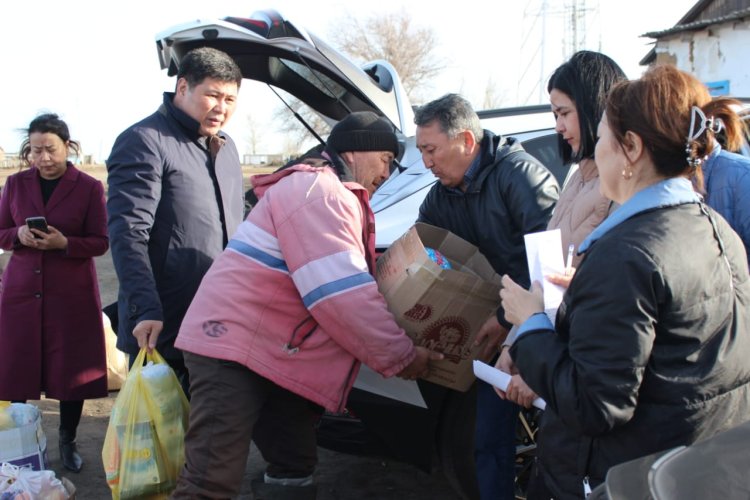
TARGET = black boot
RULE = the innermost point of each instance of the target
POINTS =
(265, 491)
(68, 451)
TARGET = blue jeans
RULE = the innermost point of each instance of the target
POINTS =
(495, 444)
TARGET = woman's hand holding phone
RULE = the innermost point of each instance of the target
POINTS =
(39, 223)
(37, 234)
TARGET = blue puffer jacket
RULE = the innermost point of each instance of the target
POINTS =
(727, 182)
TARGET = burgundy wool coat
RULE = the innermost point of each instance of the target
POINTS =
(51, 332)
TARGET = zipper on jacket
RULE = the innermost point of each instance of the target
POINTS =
(347, 380)
(291, 347)
(586, 487)
(583, 466)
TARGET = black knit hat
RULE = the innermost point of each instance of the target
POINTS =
(363, 131)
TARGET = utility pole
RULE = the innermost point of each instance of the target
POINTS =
(576, 23)
(583, 25)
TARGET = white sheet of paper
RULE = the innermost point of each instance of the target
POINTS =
(544, 256)
(406, 391)
(499, 379)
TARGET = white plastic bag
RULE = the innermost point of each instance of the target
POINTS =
(39, 485)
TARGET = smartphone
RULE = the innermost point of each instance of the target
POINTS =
(39, 223)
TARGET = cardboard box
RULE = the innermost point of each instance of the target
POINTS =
(25, 445)
(441, 309)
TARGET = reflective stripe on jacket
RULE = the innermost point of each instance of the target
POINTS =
(293, 298)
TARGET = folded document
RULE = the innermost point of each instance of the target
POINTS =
(499, 379)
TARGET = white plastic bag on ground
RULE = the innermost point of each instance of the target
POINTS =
(39, 485)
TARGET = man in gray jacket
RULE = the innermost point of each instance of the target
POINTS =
(175, 198)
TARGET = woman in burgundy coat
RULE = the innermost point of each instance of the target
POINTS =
(51, 332)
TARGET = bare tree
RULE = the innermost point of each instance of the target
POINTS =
(290, 149)
(254, 134)
(296, 136)
(392, 37)
(492, 98)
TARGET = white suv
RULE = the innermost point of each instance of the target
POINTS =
(272, 50)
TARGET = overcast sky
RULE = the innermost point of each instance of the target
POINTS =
(95, 63)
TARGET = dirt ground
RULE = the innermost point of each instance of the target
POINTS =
(339, 476)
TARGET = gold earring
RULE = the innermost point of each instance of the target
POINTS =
(627, 172)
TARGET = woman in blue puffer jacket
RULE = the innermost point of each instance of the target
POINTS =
(726, 177)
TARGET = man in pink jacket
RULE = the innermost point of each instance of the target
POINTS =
(284, 317)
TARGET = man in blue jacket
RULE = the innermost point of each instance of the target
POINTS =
(490, 192)
(175, 197)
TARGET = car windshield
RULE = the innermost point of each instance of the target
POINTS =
(316, 78)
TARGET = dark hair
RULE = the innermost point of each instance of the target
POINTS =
(206, 62)
(658, 108)
(454, 113)
(48, 123)
(586, 78)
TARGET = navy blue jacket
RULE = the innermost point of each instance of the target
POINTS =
(170, 209)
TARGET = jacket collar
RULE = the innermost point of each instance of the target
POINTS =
(262, 182)
(339, 165)
(187, 122)
(64, 187)
(494, 148)
(666, 193)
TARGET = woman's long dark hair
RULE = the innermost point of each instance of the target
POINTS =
(586, 78)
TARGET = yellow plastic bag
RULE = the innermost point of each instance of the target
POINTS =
(145, 443)
(6, 421)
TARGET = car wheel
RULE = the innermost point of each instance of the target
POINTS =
(455, 442)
